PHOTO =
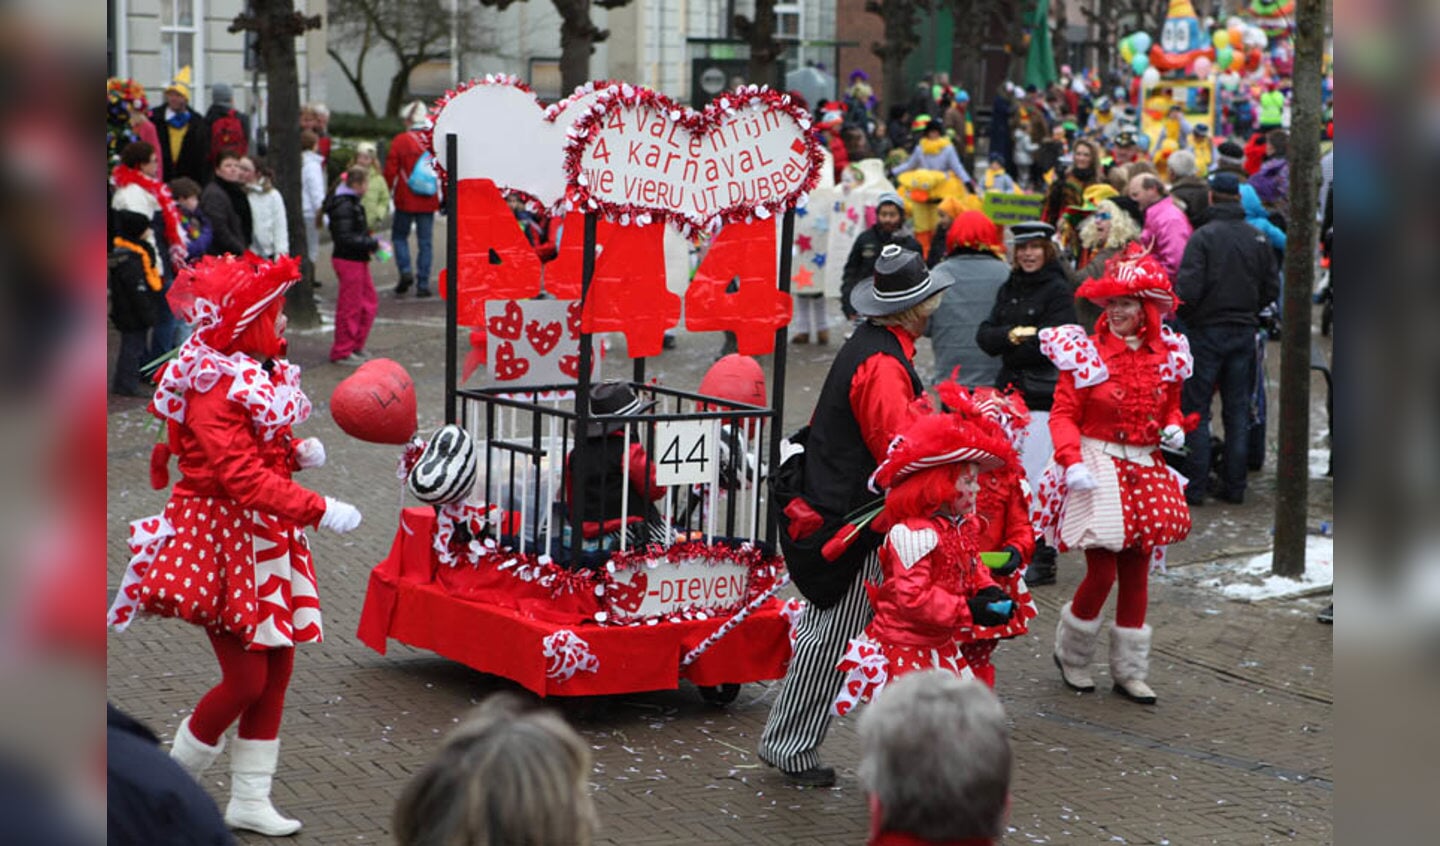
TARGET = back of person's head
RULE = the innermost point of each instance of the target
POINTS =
(1181, 164)
(356, 176)
(935, 756)
(1279, 141)
(136, 153)
(308, 139)
(1136, 168)
(183, 187)
(507, 776)
(416, 114)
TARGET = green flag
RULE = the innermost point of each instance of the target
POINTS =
(1040, 61)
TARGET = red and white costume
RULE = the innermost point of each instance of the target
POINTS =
(1002, 511)
(930, 562)
(229, 553)
(1108, 490)
(1111, 404)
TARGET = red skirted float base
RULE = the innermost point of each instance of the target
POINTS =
(553, 656)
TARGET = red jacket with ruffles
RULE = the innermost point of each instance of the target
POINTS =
(1003, 520)
(1131, 407)
(922, 603)
(220, 454)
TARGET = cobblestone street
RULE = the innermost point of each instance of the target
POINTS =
(1239, 749)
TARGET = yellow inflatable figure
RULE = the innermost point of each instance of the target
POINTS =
(923, 190)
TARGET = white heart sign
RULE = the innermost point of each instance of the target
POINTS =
(507, 137)
(636, 154)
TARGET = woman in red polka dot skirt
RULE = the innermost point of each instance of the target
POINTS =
(1108, 491)
(229, 553)
(935, 589)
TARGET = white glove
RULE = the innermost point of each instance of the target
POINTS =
(1172, 437)
(340, 517)
(1078, 478)
(310, 453)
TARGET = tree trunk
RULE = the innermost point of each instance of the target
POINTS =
(1292, 494)
(763, 66)
(399, 84)
(283, 78)
(900, 39)
(577, 42)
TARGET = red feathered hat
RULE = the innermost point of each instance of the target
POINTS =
(1132, 273)
(947, 437)
(222, 295)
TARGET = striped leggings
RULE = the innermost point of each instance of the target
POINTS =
(801, 715)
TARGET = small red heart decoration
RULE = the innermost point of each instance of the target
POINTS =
(509, 324)
(122, 615)
(543, 338)
(376, 403)
(573, 312)
(570, 366)
(507, 366)
(133, 591)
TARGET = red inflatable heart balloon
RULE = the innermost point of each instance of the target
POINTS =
(376, 403)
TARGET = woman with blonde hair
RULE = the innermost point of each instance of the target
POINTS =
(507, 776)
(1102, 236)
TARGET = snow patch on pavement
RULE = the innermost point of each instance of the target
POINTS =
(1251, 580)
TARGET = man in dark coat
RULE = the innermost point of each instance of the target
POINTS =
(1226, 277)
(888, 229)
(184, 135)
(1000, 138)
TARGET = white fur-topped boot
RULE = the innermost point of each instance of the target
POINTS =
(1130, 663)
(1075, 649)
(252, 769)
(191, 753)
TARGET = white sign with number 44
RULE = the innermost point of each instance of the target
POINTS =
(685, 452)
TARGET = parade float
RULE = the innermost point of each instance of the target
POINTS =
(1193, 69)
(494, 566)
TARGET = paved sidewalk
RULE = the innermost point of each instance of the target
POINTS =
(1238, 750)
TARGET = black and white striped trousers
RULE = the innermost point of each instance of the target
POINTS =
(801, 715)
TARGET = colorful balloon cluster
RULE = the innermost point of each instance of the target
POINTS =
(1238, 48)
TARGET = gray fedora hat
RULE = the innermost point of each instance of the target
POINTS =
(901, 280)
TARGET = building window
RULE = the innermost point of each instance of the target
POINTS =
(179, 34)
(787, 21)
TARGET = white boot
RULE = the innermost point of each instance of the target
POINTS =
(192, 753)
(252, 768)
(1075, 648)
(1130, 663)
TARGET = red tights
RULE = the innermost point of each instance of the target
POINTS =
(1132, 566)
(252, 688)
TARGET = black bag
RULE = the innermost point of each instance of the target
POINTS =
(1036, 382)
(822, 582)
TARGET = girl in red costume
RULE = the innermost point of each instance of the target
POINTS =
(1108, 490)
(228, 553)
(1003, 525)
(934, 587)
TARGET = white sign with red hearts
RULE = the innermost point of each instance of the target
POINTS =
(533, 342)
(638, 155)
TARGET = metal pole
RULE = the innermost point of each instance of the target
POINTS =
(452, 262)
(782, 339)
(582, 401)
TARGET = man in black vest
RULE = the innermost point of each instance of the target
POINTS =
(865, 401)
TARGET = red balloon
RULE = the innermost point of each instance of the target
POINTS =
(738, 378)
(376, 403)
